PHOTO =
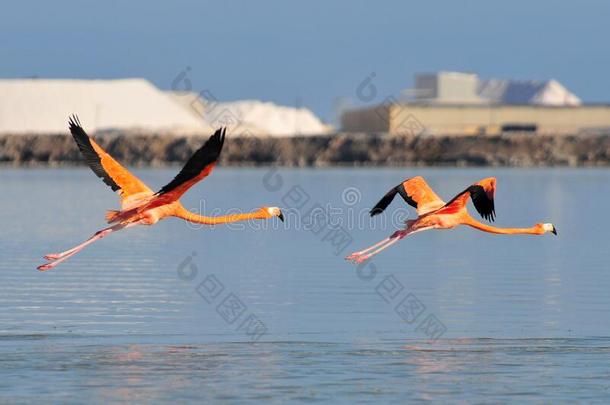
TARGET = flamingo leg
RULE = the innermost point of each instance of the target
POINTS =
(98, 235)
(359, 257)
(385, 242)
(368, 249)
(355, 255)
(367, 256)
(57, 258)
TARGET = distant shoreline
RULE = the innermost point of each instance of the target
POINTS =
(157, 150)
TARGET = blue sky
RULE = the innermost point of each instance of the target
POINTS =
(308, 53)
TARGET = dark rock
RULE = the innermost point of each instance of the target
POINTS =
(319, 151)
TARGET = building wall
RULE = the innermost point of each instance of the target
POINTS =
(447, 88)
(375, 119)
(469, 119)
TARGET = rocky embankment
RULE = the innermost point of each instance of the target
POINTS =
(327, 150)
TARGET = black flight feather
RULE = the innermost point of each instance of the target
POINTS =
(387, 199)
(204, 156)
(384, 202)
(91, 157)
(483, 204)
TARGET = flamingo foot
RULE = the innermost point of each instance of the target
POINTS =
(53, 256)
(353, 256)
(362, 259)
(358, 257)
(45, 267)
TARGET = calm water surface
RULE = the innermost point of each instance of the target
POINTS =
(273, 313)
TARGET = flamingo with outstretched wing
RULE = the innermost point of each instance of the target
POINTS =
(139, 204)
(434, 213)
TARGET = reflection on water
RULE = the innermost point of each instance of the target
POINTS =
(528, 316)
(547, 370)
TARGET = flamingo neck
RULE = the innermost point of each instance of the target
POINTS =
(223, 219)
(534, 230)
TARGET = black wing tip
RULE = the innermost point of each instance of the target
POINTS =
(76, 128)
(205, 155)
(218, 138)
(491, 216)
(376, 211)
(220, 132)
(484, 205)
(384, 202)
(89, 154)
(74, 122)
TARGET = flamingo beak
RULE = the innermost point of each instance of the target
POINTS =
(281, 216)
(554, 231)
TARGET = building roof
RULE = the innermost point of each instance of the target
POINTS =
(467, 88)
(43, 106)
(537, 92)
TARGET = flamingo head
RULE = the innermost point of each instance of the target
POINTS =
(548, 228)
(273, 212)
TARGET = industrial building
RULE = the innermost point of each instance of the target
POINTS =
(453, 103)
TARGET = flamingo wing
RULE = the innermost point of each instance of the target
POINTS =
(104, 166)
(482, 194)
(416, 192)
(198, 167)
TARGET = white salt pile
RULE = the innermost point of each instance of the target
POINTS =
(43, 106)
(253, 117)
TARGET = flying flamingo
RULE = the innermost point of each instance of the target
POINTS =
(434, 213)
(139, 205)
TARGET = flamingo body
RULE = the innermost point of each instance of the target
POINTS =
(139, 204)
(434, 213)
